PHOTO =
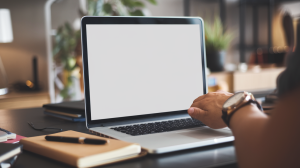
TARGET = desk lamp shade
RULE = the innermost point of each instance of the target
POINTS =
(6, 36)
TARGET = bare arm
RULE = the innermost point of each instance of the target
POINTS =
(260, 141)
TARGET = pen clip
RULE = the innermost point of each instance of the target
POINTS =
(81, 140)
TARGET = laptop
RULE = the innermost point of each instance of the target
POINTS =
(141, 74)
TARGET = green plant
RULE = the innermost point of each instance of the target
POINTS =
(64, 52)
(66, 40)
(216, 39)
(117, 7)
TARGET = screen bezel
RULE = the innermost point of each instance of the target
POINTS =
(133, 20)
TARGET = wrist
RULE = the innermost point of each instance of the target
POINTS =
(244, 113)
(237, 101)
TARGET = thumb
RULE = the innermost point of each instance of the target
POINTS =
(196, 113)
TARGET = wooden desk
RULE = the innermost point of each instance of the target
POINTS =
(220, 156)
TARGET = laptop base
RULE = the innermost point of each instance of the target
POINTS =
(165, 142)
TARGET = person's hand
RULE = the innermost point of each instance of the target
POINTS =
(208, 108)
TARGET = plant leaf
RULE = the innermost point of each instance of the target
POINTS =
(107, 8)
(137, 13)
(215, 38)
(138, 4)
(153, 2)
(128, 3)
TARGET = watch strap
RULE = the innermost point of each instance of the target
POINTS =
(226, 118)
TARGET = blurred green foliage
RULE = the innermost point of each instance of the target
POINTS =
(117, 7)
(65, 43)
(216, 39)
(66, 40)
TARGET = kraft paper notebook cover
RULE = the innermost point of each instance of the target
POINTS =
(82, 155)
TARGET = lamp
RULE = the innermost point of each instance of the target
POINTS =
(6, 36)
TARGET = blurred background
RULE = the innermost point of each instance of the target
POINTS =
(247, 42)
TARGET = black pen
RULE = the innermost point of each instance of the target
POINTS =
(76, 140)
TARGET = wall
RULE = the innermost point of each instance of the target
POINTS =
(209, 9)
(29, 31)
(29, 36)
(166, 8)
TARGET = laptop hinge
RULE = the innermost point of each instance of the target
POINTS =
(100, 134)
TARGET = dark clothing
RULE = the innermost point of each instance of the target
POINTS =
(289, 79)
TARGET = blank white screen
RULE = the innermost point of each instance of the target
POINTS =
(143, 69)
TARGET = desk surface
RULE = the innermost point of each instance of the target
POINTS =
(220, 156)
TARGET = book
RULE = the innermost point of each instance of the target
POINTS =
(5, 135)
(74, 119)
(63, 113)
(82, 155)
(72, 107)
(16, 140)
(8, 151)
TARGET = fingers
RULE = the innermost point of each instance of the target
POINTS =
(197, 113)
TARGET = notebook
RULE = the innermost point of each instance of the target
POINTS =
(6, 135)
(73, 107)
(73, 111)
(16, 140)
(9, 150)
(63, 113)
(65, 117)
(82, 155)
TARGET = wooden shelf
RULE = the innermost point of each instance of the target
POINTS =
(255, 81)
(265, 79)
(15, 100)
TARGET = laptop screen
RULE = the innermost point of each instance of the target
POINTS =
(138, 69)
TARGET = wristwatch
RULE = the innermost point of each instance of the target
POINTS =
(235, 102)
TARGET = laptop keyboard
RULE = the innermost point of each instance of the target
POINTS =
(156, 127)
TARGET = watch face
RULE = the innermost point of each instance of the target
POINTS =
(233, 100)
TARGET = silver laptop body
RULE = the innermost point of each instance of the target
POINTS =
(145, 72)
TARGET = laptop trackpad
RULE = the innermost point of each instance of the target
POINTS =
(206, 133)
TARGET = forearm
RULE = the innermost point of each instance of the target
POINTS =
(261, 141)
(248, 125)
